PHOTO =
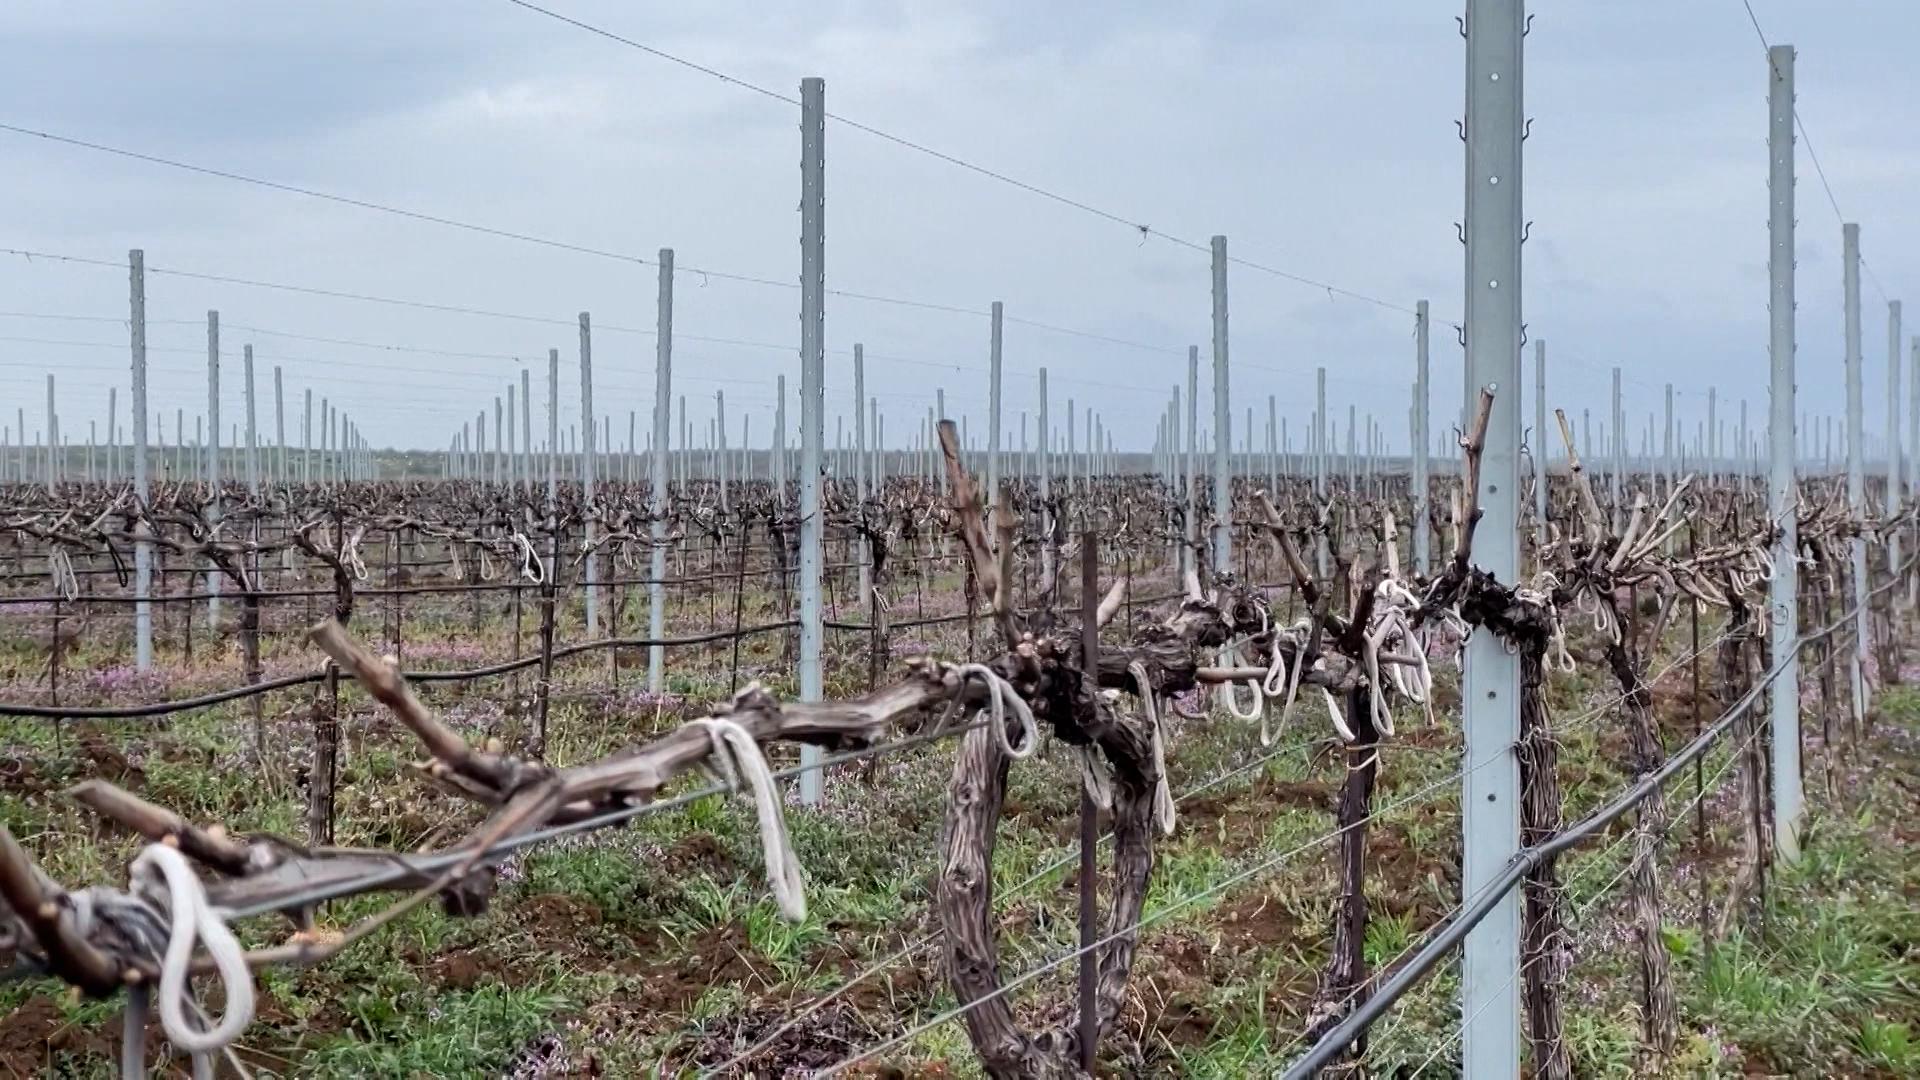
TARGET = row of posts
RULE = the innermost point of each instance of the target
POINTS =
(340, 453)
(1493, 343)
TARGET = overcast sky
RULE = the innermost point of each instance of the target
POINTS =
(1319, 137)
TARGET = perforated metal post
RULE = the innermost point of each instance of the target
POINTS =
(1422, 407)
(1782, 489)
(1856, 449)
(502, 436)
(213, 452)
(49, 437)
(1668, 457)
(1320, 431)
(813, 273)
(779, 463)
(1072, 442)
(993, 410)
(525, 464)
(50, 440)
(1222, 418)
(253, 439)
(1046, 445)
(862, 468)
(306, 436)
(1353, 428)
(588, 431)
(1273, 443)
(1190, 470)
(553, 431)
(657, 480)
(279, 428)
(933, 439)
(1490, 799)
(1321, 554)
(720, 445)
(1619, 427)
(1540, 444)
(1712, 434)
(1893, 432)
(1913, 421)
(512, 421)
(142, 546)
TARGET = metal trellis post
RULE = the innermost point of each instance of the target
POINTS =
(253, 440)
(213, 452)
(1893, 431)
(1222, 418)
(143, 548)
(1782, 490)
(1856, 448)
(657, 482)
(813, 270)
(1422, 532)
(993, 409)
(588, 430)
(1490, 799)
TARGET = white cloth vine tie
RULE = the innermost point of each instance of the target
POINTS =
(1163, 812)
(1230, 657)
(60, 566)
(1001, 696)
(736, 758)
(161, 871)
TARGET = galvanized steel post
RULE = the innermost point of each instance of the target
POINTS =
(1222, 417)
(588, 431)
(813, 270)
(657, 481)
(143, 546)
(1539, 445)
(1422, 531)
(213, 450)
(993, 410)
(253, 440)
(1490, 799)
(1856, 448)
(1782, 489)
(1893, 432)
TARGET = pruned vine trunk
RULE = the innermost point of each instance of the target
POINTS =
(1658, 1016)
(325, 765)
(250, 666)
(1735, 678)
(964, 900)
(1543, 947)
(1343, 985)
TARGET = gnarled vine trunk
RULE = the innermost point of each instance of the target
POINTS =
(1543, 951)
(1659, 1019)
(965, 889)
(1343, 985)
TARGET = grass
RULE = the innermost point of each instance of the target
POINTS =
(463, 1033)
(581, 935)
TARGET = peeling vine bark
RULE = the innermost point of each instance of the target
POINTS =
(1343, 986)
(1735, 679)
(1658, 1014)
(1543, 950)
(965, 900)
